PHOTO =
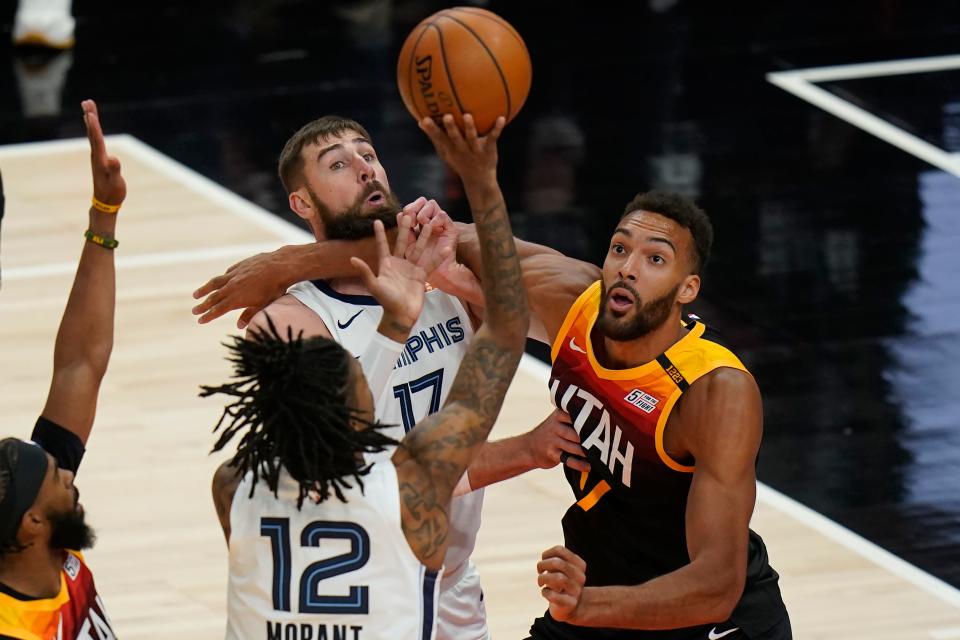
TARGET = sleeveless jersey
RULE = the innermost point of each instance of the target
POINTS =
(76, 612)
(628, 522)
(419, 383)
(329, 570)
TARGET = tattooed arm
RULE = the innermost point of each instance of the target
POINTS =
(435, 454)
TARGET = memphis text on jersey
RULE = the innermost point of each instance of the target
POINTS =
(439, 336)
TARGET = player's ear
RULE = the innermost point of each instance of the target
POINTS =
(689, 289)
(301, 205)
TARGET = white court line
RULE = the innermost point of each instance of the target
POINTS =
(144, 260)
(798, 85)
(540, 370)
(945, 634)
(819, 523)
(210, 189)
(875, 69)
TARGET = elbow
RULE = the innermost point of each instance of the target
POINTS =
(723, 595)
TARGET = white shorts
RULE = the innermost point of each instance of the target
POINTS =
(462, 614)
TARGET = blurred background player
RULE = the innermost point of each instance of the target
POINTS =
(306, 415)
(44, 23)
(46, 589)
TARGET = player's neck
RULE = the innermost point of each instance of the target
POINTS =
(615, 354)
(34, 572)
(349, 286)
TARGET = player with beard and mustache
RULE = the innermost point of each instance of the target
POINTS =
(46, 588)
(337, 185)
(657, 543)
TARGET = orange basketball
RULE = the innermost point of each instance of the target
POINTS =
(464, 60)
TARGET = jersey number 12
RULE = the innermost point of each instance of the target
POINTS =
(311, 601)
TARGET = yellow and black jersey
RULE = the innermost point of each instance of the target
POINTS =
(628, 520)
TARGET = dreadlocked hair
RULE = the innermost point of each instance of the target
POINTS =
(292, 412)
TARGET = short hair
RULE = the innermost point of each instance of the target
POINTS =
(293, 411)
(684, 212)
(8, 460)
(291, 159)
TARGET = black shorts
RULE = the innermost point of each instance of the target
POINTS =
(547, 628)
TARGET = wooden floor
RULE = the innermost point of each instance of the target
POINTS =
(160, 562)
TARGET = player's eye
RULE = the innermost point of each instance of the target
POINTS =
(657, 259)
(618, 248)
(339, 164)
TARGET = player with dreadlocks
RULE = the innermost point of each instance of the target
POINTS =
(344, 545)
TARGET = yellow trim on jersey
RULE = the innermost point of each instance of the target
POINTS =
(645, 368)
(658, 436)
(572, 314)
(588, 501)
(9, 603)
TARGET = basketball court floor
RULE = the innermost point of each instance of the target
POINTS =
(822, 138)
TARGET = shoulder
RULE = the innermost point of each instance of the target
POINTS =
(287, 311)
(722, 410)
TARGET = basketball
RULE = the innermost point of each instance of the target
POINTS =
(464, 60)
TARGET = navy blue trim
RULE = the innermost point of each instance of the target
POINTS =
(429, 586)
(350, 298)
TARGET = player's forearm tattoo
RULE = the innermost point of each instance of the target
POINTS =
(426, 528)
(444, 444)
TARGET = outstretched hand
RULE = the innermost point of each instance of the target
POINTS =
(472, 156)
(250, 284)
(109, 187)
(399, 284)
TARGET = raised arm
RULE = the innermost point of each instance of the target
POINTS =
(434, 456)
(721, 427)
(85, 338)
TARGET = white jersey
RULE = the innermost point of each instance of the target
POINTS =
(419, 382)
(329, 570)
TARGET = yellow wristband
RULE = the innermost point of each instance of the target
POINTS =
(104, 207)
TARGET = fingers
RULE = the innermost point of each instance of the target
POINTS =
(561, 552)
(563, 600)
(498, 126)
(383, 247)
(429, 127)
(214, 298)
(215, 312)
(246, 317)
(404, 222)
(211, 285)
(558, 582)
(567, 433)
(470, 128)
(94, 132)
(421, 244)
(429, 211)
(415, 206)
(450, 126)
(366, 273)
(575, 463)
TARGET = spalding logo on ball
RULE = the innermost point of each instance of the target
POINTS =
(464, 60)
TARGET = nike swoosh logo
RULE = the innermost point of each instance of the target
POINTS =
(573, 345)
(344, 325)
(713, 635)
